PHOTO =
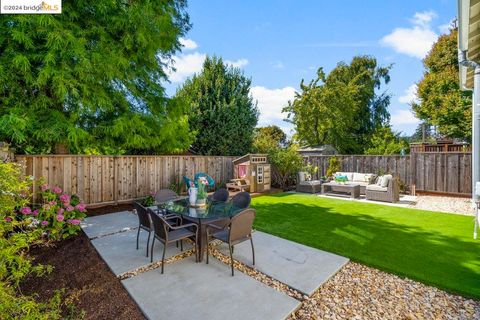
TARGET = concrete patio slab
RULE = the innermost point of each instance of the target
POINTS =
(109, 223)
(120, 254)
(189, 290)
(302, 268)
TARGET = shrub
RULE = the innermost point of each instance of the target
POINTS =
(58, 216)
(286, 163)
(334, 165)
(16, 236)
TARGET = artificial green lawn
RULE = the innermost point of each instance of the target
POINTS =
(431, 247)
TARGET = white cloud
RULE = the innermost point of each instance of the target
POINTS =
(402, 117)
(270, 104)
(278, 64)
(237, 63)
(188, 44)
(415, 41)
(410, 95)
(423, 18)
(445, 28)
(186, 65)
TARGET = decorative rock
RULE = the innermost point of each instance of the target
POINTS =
(379, 295)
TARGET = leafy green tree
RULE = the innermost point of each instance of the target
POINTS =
(344, 108)
(287, 162)
(268, 139)
(386, 142)
(442, 103)
(223, 114)
(90, 78)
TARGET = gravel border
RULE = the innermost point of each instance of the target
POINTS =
(456, 205)
(361, 292)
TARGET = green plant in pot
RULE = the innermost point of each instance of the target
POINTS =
(202, 191)
(311, 171)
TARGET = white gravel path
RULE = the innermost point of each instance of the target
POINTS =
(455, 205)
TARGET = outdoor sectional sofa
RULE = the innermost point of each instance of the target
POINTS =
(362, 179)
(386, 189)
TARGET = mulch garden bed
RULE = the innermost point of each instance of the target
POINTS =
(89, 284)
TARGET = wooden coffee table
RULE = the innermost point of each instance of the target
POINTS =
(334, 188)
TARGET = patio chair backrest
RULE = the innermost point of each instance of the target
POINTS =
(242, 200)
(159, 225)
(241, 225)
(165, 195)
(143, 215)
(221, 195)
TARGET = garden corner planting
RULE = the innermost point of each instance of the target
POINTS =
(24, 225)
(59, 215)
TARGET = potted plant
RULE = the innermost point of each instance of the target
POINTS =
(310, 170)
(202, 191)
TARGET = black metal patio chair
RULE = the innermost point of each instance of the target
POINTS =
(144, 222)
(167, 233)
(221, 195)
(242, 200)
(237, 231)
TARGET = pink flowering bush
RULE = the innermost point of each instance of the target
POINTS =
(59, 215)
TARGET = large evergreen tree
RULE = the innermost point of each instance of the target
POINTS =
(223, 114)
(442, 103)
(90, 78)
(343, 108)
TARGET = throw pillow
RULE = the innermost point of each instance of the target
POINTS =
(386, 180)
(380, 181)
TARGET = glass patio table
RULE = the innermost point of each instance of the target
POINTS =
(213, 211)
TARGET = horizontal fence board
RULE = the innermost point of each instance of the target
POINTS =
(112, 179)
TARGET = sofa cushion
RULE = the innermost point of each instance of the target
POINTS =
(362, 177)
(302, 176)
(376, 187)
(358, 177)
(386, 180)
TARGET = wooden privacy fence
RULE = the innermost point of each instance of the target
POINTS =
(445, 172)
(441, 172)
(113, 179)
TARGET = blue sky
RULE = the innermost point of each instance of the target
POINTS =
(277, 43)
